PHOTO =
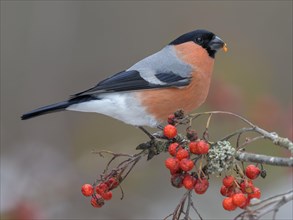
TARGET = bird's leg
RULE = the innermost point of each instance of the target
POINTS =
(146, 132)
(160, 127)
(159, 134)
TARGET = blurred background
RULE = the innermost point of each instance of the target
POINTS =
(52, 49)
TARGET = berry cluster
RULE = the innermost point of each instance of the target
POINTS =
(192, 160)
(239, 193)
(185, 171)
(184, 155)
(102, 191)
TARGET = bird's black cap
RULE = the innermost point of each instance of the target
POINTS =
(204, 38)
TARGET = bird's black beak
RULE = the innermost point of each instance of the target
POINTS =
(217, 43)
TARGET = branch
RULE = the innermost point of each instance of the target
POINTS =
(273, 136)
(249, 157)
(259, 158)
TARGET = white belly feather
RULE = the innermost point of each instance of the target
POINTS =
(122, 106)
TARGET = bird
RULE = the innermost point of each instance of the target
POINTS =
(176, 77)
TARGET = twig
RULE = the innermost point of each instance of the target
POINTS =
(240, 131)
(193, 207)
(179, 209)
(118, 171)
(273, 136)
(249, 141)
(259, 158)
(188, 206)
(222, 112)
(280, 141)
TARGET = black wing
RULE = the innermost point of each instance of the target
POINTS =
(131, 80)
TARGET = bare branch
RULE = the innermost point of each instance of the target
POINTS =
(280, 141)
(259, 158)
(283, 142)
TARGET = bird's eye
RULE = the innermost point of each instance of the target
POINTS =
(199, 40)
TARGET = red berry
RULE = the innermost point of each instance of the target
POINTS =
(230, 191)
(228, 204)
(203, 147)
(174, 171)
(97, 201)
(107, 195)
(171, 119)
(173, 148)
(201, 186)
(170, 131)
(189, 181)
(252, 171)
(186, 164)
(87, 190)
(193, 147)
(176, 180)
(172, 164)
(112, 183)
(256, 193)
(247, 186)
(199, 147)
(246, 203)
(239, 199)
(102, 188)
(228, 181)
(224, 191)
(182, 154)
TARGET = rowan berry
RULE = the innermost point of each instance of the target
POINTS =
(228, 204)
(227, 191)
(97, 201)
(191, 135)
(186, 164)
(182, 154)
(193, 147)
(177, 180)
(263, 173)
(107, 195)
(247, 202)
(87, 189)
(172, 164)
(170, 131)
(239, 199)
(199, 147)
(173, 148)
(171, 119)
(112, 183)
(189, 181)
(252, 171)
(247, 186)
(256, 193)
(228, 181)
(201, 186)
(102, 188)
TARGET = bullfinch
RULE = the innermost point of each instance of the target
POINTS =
(176, 77)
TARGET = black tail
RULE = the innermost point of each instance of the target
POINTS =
(60, 106)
